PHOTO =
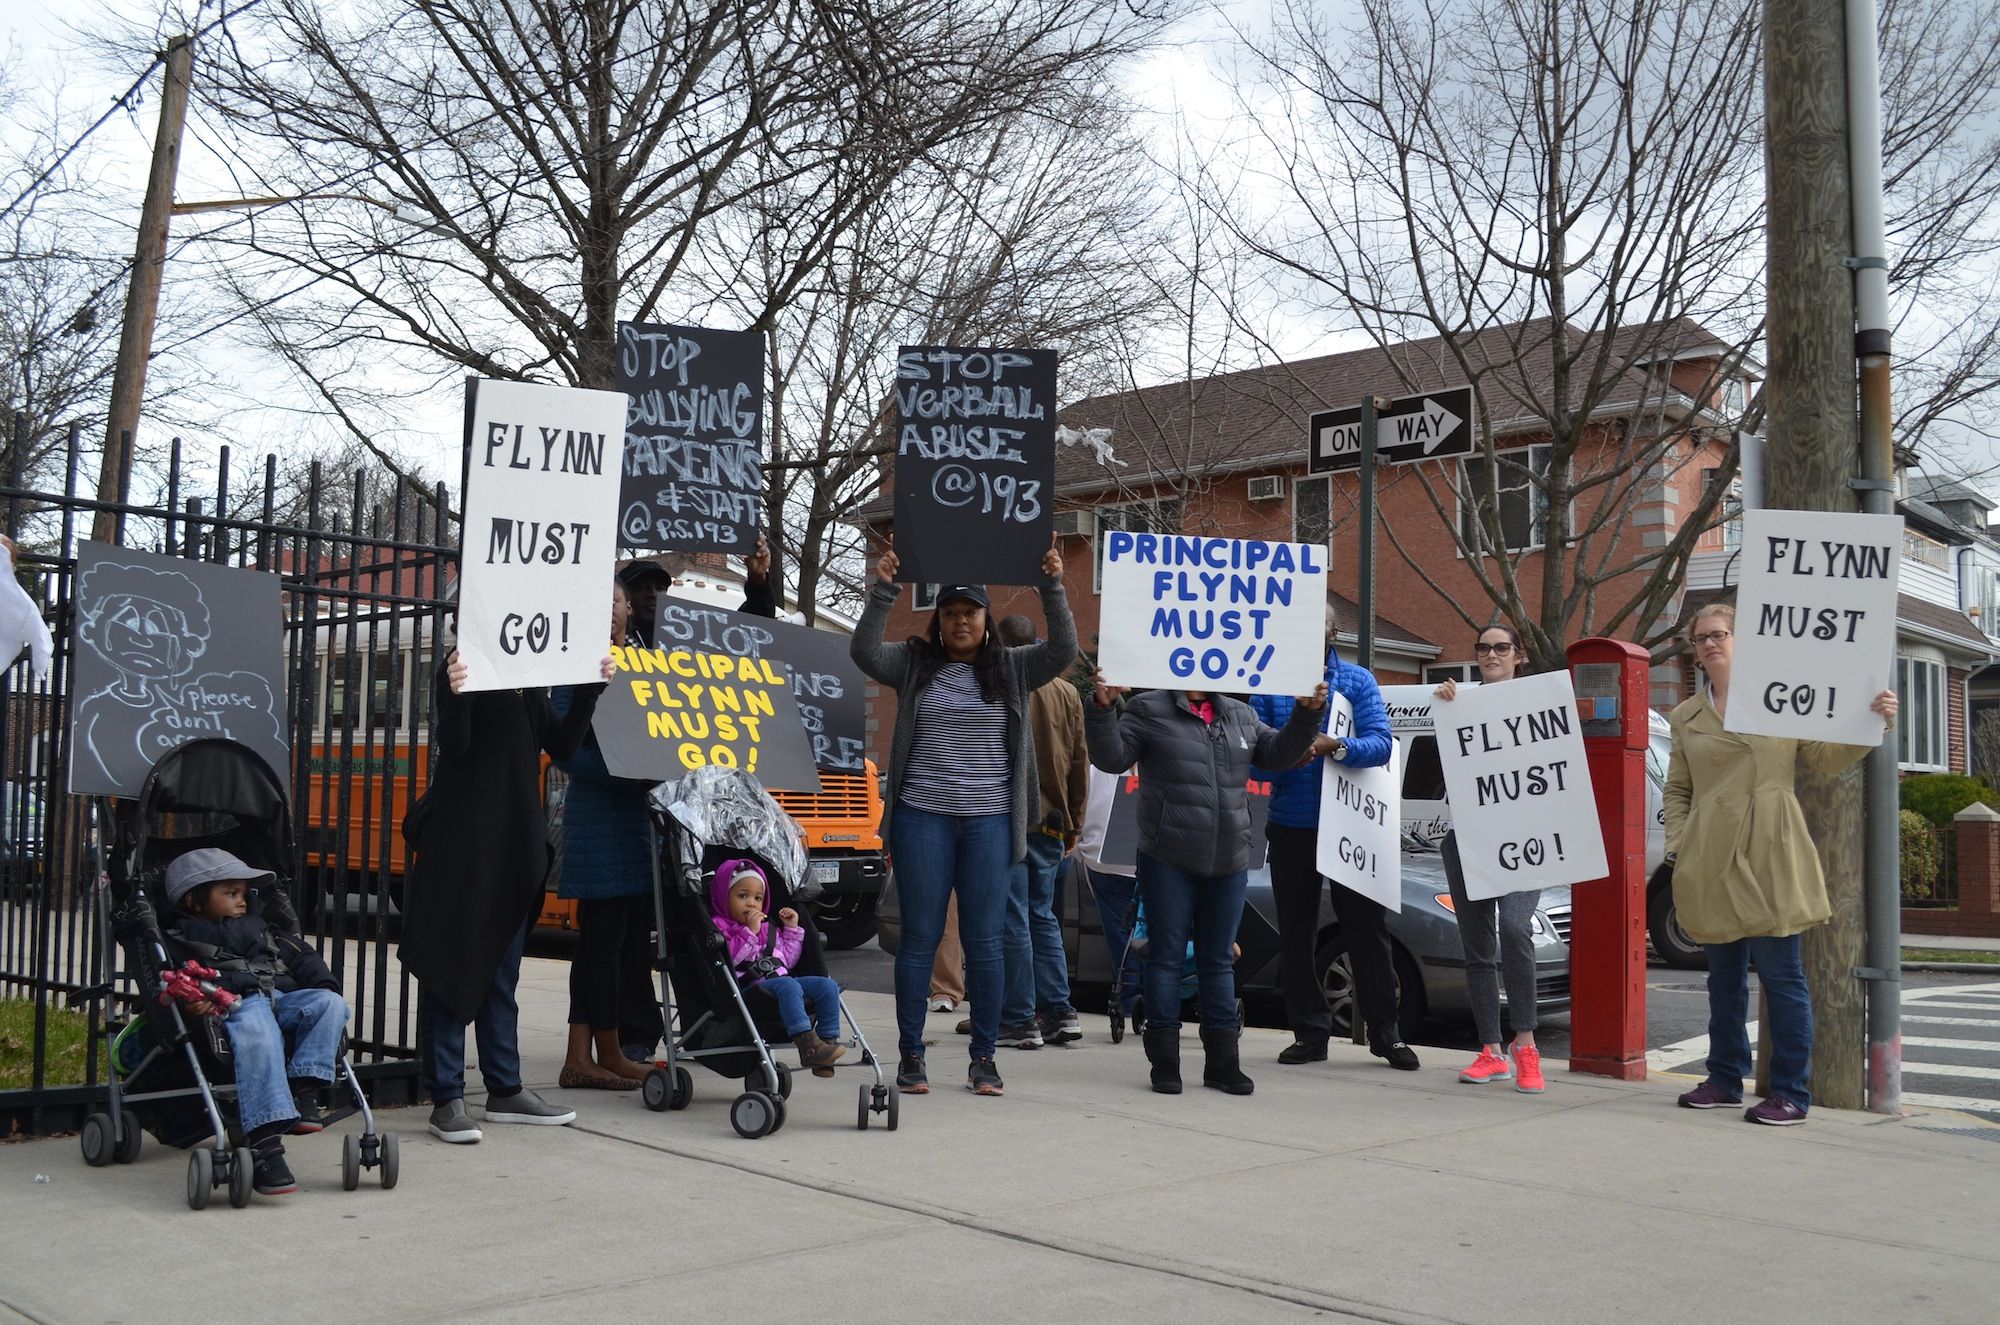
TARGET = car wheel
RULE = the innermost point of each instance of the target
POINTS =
(847, 920)
(1663, 926)
(1336, 980)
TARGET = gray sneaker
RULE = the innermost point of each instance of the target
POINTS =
(451, 1122)
(524, 1106)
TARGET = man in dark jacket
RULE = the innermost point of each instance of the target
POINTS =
(1295, 878)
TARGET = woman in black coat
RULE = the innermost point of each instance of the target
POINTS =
(482, 856)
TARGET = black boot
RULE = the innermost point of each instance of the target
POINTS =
(1220, 1067)
(269, 1174)
(1163, 1051)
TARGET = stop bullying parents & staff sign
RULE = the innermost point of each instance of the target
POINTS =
(1182, 612)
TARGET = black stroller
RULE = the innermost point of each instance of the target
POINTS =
(700, 821)
(163, 1073)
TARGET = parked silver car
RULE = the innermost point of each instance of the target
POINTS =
(1430, 967)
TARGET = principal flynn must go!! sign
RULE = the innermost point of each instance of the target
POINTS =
(1229, 614)
(670, 710)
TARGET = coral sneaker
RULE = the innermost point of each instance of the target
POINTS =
(1528, 1070)
(1489, 1066)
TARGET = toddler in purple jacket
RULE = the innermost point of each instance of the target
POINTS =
(764, 959)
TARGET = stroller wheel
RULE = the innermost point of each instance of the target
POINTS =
(779, 1117)
(654, 1089)
(242, 1166)
(1117, 1026)
(892, 1097)
(784, 1083)
(130, 1138)
(96, 1140)
(753, 1115)
(392, 1161)
(861, 1114)
(350, 1162)
(683, 1089)
(200, 1179)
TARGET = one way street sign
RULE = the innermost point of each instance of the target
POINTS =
(1430, 426)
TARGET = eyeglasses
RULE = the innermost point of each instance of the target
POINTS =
(1711, 637)
(1500, 650)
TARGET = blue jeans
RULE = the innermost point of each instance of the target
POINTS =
(1782, 973)
(1037, 970)
(936, 855)
(793, 992)
(258, 1028)
(1212, 907)
(497, 1026)
(1114, 894)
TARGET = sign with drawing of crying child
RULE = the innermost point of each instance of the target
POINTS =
(168, 651)
(1815, 625)
(1361, 819)
(670, 710)
(543, 466)
(1235, 615)
(1521, 799)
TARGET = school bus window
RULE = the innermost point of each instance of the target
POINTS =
(385, 689)
(343, 674)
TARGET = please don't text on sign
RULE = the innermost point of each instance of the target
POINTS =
(1815, 625)
(1361, 819)
(1521, 799)
(1190, 613)
(674, 709)
(975, 464)
(693, 474)
(541, 496)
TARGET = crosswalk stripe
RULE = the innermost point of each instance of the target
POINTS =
(1928, 1042)
(1920, 1069)
(1909, 1017)
(1954, 1006)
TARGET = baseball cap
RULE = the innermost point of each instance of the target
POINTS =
(208, 865)
(971, 593)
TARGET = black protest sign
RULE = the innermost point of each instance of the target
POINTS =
(168, 651)
(1121, 830)
(825, 683)
(975, 464)
(674, 709)
(694, 425)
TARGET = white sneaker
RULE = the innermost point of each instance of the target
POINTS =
(942, 1004)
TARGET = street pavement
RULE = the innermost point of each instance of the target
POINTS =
(1342, 1191)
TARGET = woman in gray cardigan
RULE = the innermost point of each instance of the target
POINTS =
(1194, 751)
(962, 790)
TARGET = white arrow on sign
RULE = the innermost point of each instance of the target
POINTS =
(1428, 429)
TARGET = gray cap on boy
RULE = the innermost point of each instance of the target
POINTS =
(208, 865)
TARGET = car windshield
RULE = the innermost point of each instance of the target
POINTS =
(1411, 842)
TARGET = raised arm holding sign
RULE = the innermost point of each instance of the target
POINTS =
(541, 499)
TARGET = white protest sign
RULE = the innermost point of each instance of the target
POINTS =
(1360, 820)
(1182, 612)
(1815, 625)
(541, 533)
(1521, 800)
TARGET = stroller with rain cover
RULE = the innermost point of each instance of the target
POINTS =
(165, 1071)
(699, 821)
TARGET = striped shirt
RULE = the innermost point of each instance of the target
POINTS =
(958, 755)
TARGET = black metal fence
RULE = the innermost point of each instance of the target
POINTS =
(362, 569)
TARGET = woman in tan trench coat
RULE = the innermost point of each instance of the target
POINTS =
(1747, 880)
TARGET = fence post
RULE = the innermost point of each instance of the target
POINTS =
(1978, 829)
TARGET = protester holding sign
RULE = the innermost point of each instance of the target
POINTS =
(607, 871)
(1496, 931)
(963, 789)
(1747, 880)
(482, 855)
(1296, 880)
(1194, 750)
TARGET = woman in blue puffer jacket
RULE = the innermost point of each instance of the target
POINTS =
(1295, 879)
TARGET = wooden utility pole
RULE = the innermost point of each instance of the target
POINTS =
(142, 296)
(1812, 446)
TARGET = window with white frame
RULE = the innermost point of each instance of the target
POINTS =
(1922, 721)
(1729, 506)
(1522, 512)
(1985, 598)
(923, 597)
(1312, 511)
(1439, 672)
(1159, 516)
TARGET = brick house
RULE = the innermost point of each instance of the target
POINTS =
(1226, 456)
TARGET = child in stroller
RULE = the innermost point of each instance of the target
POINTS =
(762, 956)
(279, 985)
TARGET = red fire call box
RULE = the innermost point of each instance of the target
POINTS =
(1607, 941)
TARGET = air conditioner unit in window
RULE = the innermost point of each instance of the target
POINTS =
(1267, 487)
(1080, 524)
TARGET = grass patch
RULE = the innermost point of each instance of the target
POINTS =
(1970, 956)
(68, 1040)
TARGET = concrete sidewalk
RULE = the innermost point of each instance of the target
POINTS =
(1341, 1190)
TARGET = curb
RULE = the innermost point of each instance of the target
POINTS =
(1971, 968)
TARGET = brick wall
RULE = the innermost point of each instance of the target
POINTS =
(1958, 758)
